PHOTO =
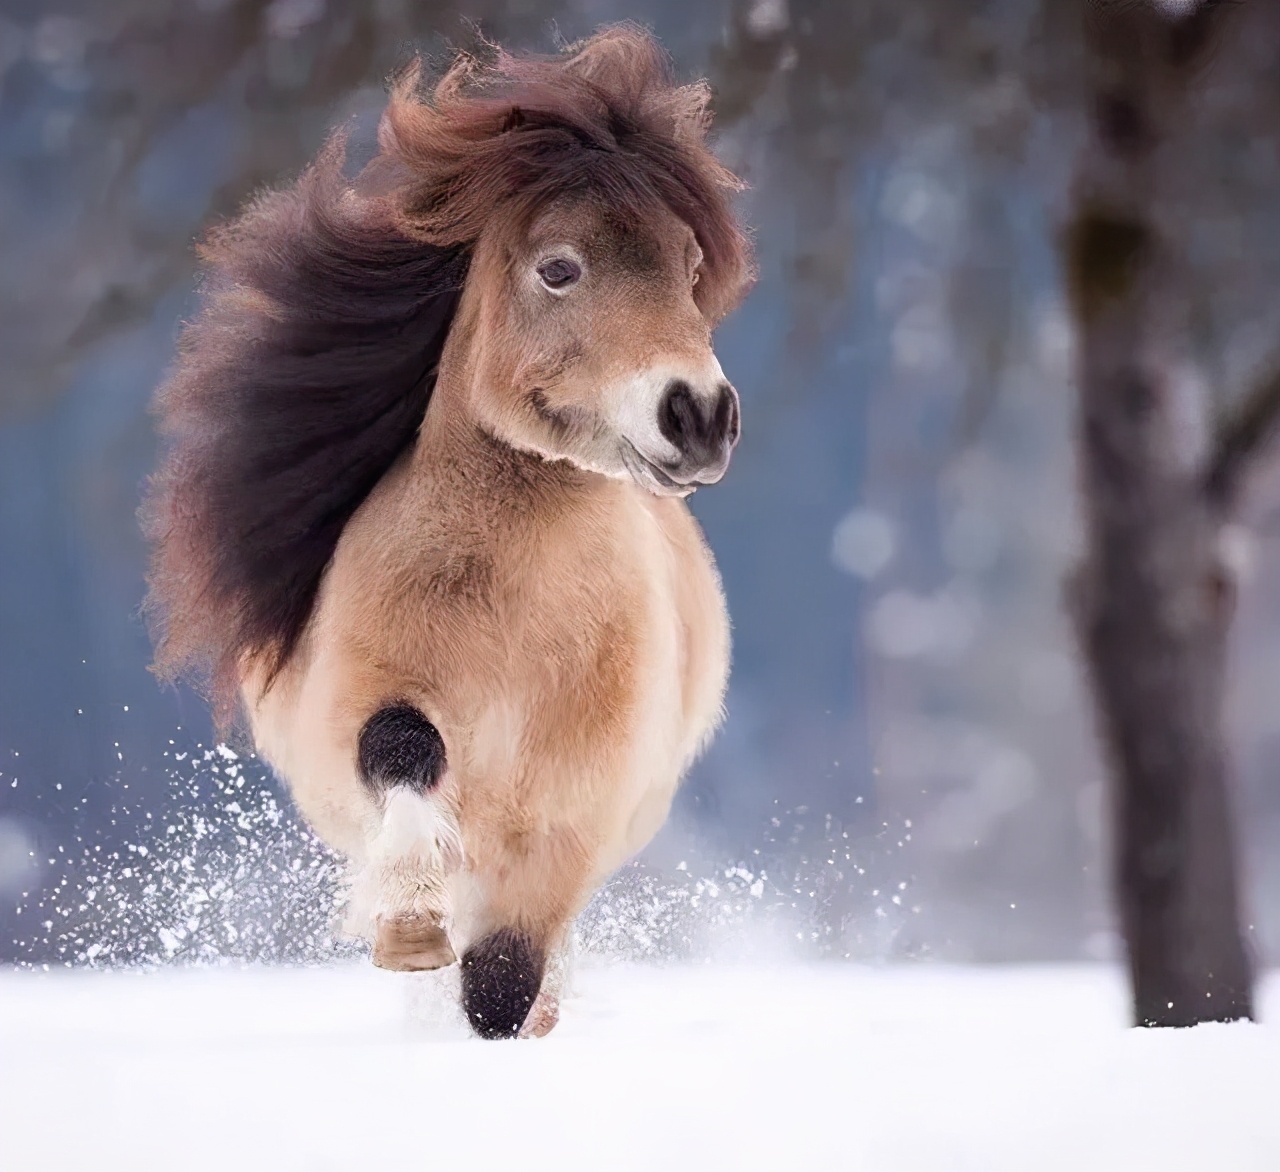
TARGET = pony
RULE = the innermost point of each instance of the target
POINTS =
(420, 519)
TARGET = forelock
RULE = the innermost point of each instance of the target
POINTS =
(503, 135)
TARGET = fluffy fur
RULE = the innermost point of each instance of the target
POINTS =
(325, 309)
(403, 469)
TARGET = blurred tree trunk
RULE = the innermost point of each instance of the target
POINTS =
(1153, 601)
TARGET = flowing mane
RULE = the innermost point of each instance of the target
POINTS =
(325, 307)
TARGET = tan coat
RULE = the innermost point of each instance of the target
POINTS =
(429, 441)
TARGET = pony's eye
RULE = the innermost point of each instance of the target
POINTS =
(559, 272)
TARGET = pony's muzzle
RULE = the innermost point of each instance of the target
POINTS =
(703, 426)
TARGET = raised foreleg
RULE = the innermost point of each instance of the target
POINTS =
(401, 892)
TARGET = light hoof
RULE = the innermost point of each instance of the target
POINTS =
(542, 1017)
(411, 944)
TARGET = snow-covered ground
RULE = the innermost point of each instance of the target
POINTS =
(683, 1067)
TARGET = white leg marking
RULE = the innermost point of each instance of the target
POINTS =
(418, 826)
(400, 898)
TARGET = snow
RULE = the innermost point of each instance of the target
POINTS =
(828, 1066)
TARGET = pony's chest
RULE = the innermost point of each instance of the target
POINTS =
(688, 620)
(633, 596)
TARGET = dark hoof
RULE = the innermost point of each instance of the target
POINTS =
(501, 976)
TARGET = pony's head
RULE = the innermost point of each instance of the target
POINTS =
(561, 218)
(603, 251)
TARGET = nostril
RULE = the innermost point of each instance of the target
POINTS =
(679, 419)
(728, 420)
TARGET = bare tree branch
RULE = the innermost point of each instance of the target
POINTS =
(1241, 436)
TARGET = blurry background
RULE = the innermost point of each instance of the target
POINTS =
(909, 745)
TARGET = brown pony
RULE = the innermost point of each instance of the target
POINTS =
(421, 514)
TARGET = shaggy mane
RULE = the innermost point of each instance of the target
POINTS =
(325, 308)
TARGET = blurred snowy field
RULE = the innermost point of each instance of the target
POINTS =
(828, 1066)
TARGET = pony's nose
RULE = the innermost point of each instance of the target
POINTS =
(702, 428)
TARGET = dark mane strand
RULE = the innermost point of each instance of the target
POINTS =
(325, 308)
(304, 376)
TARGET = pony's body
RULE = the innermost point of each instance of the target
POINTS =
(422, 515)
(568, 637)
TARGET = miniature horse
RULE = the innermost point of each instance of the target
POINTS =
(421, 518)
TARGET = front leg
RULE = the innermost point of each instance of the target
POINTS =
(400, 896)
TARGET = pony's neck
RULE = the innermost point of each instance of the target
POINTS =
(454, 434)
(451, 418)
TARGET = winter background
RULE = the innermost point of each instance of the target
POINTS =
(876, 932)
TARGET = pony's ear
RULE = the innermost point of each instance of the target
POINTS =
(627, 59)
(623, 57)
(691, 112)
